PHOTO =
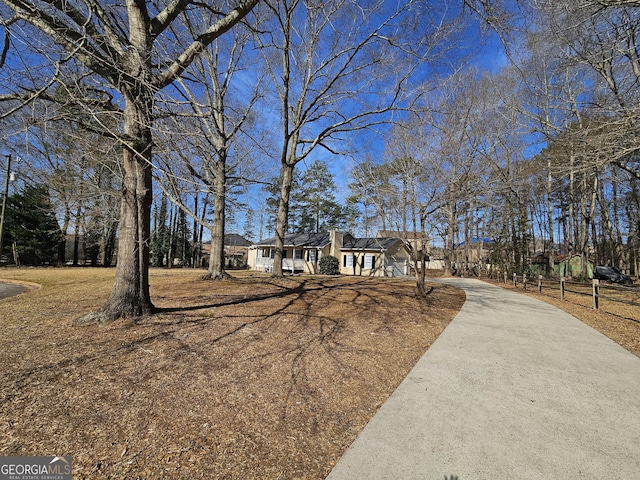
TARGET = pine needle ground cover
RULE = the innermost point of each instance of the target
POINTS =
(252, 377)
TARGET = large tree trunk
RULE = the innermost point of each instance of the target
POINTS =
(587, 215)
(130, 295)
(551, 265)
(421, 274)
(216, 256)
(283, 213)
(449, 247)
(419, 251)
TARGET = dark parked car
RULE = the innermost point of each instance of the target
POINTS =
(611, 274)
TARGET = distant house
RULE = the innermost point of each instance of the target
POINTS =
(357, 256)
(235, 251)
(418, 241)
(478, 249)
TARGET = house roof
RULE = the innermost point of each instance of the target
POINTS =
(377, 244)
(298, 240)
(235, 240)
(323, 239)
(232, 240)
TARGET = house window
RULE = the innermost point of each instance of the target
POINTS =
(312, 256)
(348, 260)
(297, 254)
(272, 253)
(369, 262)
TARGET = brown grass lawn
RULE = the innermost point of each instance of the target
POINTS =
(247, 378)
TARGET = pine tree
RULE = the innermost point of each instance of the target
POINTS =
(32, 226)
(313, 207)
(319, 209)
(273, 199)
(249, 225)
(160, 235)
(182, 235)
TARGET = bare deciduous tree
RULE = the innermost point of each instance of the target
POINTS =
(341, 67)
(208, 118)
(129, 51)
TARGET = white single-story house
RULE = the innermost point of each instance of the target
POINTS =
(357, 256)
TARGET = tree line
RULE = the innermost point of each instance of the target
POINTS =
(209, 105)
(531, 163)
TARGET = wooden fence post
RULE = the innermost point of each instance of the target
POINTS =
(562, 280)
(515, 279)
(596, 293)
(505, 277)
(539, 283)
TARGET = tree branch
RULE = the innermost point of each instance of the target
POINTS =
(165, 17)
(202, 41)
(71, 40)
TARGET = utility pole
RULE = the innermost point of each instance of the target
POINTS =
(4, 199)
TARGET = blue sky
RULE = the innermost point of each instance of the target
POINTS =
(484, 52)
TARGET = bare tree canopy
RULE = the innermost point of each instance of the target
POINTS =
(340, 67)
(534, 150)
(128, 53)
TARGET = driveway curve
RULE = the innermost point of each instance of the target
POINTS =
(513, 388)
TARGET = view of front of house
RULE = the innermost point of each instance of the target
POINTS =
(357, 256)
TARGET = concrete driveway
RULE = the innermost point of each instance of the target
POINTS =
(512, 389)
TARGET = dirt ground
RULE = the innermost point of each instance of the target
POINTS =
(252, 378)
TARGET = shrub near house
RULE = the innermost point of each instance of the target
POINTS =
(329, 265)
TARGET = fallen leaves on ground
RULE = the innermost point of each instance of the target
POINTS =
(252, 377)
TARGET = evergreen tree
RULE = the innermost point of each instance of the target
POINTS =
(183, 236)
(319, 209)
(160, 236)
(249, 225)
(273, 199)
(313, 207)
(31, 224)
